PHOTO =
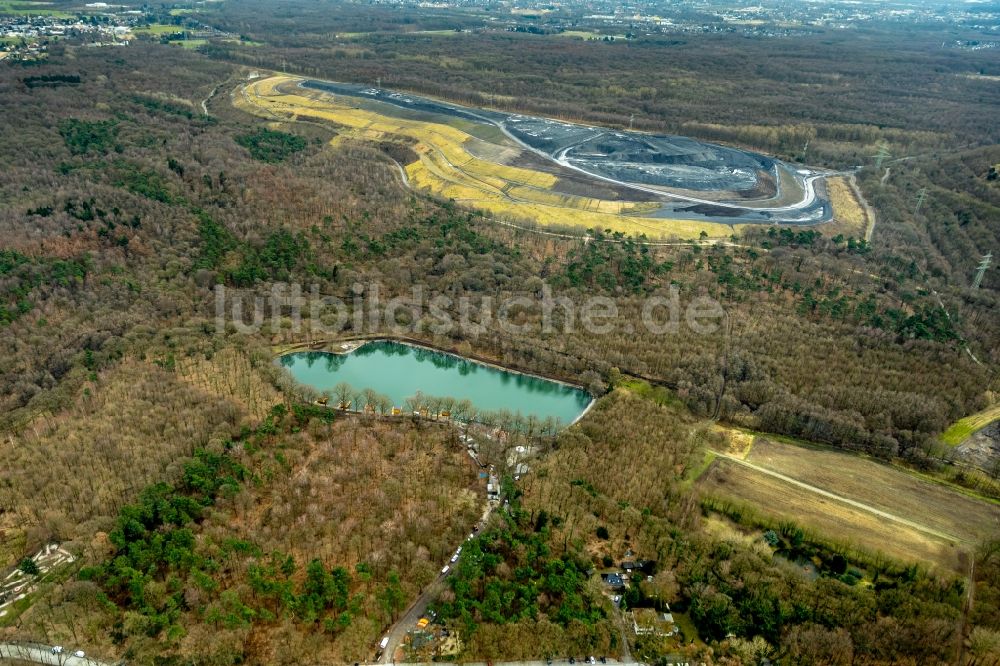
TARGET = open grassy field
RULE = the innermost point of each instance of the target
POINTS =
(961, 429)
(31, 8)
(881, 486)
(778, 500)
(243, 42)
(469, 169)
(157, 29)
(584, 34)
(931, 521)
(189, 43)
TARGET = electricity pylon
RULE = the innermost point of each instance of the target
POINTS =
(981, 271)
(921, 195)
(881, 155)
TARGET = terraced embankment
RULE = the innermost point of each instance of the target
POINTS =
(551, 173)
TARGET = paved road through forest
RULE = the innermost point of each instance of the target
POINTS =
(417, 609)
(42, 654)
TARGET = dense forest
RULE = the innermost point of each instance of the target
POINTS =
(210, 506)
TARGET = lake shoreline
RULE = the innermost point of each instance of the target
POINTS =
(359, 341)
(346, 346)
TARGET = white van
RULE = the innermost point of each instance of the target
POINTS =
(385, 642)
(445, 569)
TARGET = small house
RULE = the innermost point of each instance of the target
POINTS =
(613, 580)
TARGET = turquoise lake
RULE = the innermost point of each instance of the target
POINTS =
(399, 371)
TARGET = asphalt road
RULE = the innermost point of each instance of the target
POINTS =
(409, 619)
(42, 654)
(417, 609)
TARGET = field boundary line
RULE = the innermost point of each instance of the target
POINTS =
(844, 500)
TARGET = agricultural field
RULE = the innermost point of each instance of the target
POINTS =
(480, 165)
(853, 500)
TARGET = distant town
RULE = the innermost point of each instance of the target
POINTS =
(27, 34)
(632, 19)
